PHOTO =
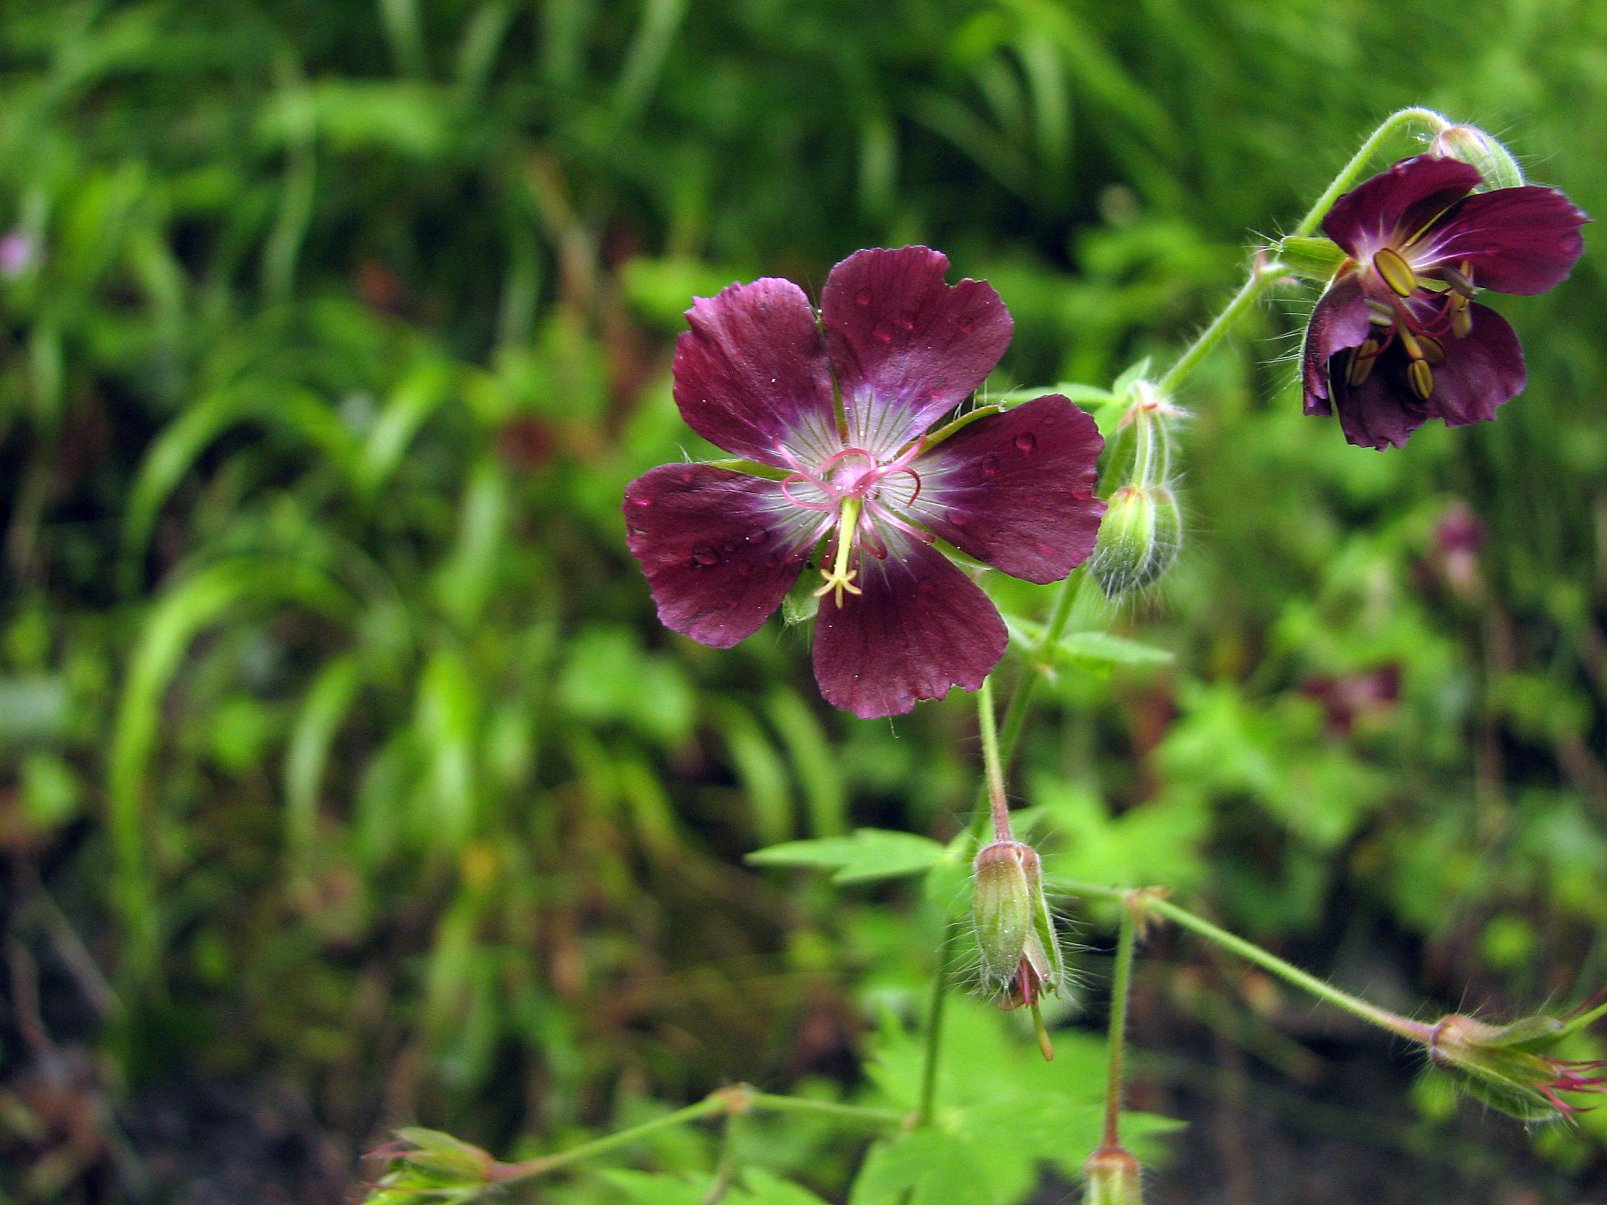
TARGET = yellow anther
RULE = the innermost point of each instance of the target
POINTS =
(1461, 316)
(1421, 377)
(1433, 350)
(1379, 313)
(1395, 271)
(1461, 283)
(839, 577)
(1360, 366)
(1414, 349)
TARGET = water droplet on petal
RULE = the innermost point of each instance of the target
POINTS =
(862, 298)
(966, 326)
(759, 536)
(704, 554)
(729, 547)
(907, 320)
(990, 466)
(1026, 441)
(883, 335)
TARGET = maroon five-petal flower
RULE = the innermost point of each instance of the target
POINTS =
(1397, 339)
(840, 408)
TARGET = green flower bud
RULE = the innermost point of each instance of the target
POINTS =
(1474, 147)
(1112, 1177)
(1138, 540)
(431, 1165)
(1505, 1067)
(1015, 930)
(1310, 258)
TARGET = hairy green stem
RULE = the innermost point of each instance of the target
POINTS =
(993, 767)
(1154, 902)
(732, 1101)
(1351, 172)
(1120, 987)
(927, 1100)
(1263, 271)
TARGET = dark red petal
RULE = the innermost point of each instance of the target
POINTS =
(1395, 204)
(1482, 369)
(752, 373)
(1016, 489)
(907, 348)
(720, 549)
(1338, 323)
(920, 627)
(1382, 411)
(1514, 240)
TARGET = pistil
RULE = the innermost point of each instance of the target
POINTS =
(839, 577)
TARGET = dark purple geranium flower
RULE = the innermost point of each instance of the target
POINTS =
(840, 407)
(1397, 339)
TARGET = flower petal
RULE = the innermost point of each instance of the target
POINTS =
(720, 549)
(1514, 240)
(1382, 411)
(907, 348)
(751, 374)
(1482, 370)
(1016, 489)
(1389, 208)
(919, 627)
(1338, 323)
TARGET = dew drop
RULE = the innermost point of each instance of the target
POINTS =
(883, 335)
(990, 466)
(862, 298)
(1026, 441)
(728, 549)
(967, 326)
(759, 536)
(907, 321)
(704, 554)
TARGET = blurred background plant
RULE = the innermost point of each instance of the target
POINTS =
(345, 777)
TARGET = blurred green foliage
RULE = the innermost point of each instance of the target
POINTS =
(338, 744)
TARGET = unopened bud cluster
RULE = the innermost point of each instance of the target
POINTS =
(1142, 531)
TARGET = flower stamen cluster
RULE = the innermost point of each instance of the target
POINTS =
(835, 417)
(1397, 338)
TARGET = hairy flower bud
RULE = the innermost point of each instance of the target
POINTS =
(1015, 931)
(431, 1165)
(1505, 1066)
(1112, 1177)
(1142, 530)
(1473, 146)
(1138, 540)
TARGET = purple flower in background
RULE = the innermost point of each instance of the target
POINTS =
(1397, 339)
(17, 254)
(838, 410)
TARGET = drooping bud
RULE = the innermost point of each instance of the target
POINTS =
(1112, 1177)
(1473, 146)
(1015, 931)
(1505, 1065)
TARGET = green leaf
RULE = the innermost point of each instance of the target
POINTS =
(1091, 652)
(864, 856)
